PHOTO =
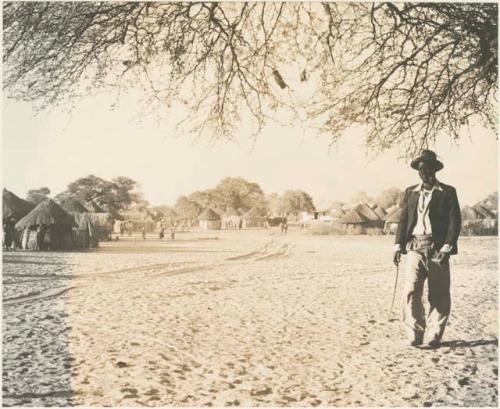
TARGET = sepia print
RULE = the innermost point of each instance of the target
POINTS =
(250, 204)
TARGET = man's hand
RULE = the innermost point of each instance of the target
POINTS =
(397, 257)
(442, 258)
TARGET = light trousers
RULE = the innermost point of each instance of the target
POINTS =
(419, 268)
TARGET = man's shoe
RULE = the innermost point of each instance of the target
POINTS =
(418, 339)
(434, 342)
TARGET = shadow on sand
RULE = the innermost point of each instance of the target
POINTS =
(469, 344)
(463, 344)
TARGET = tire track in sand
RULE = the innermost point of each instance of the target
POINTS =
(266, 253)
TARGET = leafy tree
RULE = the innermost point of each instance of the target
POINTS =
(295, 201)
(388, 197)
(112, 196)
(274, 204)
(405, 71)
(207, 198)
(38, 195)
(187, 209)
(240, 194)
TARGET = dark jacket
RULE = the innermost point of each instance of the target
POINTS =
(444, 214)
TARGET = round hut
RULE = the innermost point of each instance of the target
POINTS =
(47, 227)
(372, 218)
(469, 213)
(85, 235)
(231, 218)
(209, 220)
(336, 215)
(354, 222)
(380, 212)
(392, 220)
(13, 209)
(254, 218)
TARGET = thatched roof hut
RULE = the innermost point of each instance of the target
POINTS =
(367, 212)
(337, 213)
(469, 213)
(231, 212)
(231, 218)
(392, 220)
(56, 226)
(13, 207)
(208, 214)
(47, 213)
(484, 211)
(353, 217)
(209, 219)
(379, 211)
(254, 218)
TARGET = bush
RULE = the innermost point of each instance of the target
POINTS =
(478, 228)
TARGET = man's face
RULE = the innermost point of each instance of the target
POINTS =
(427, 173)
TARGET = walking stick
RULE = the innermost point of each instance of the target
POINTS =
(394, 293)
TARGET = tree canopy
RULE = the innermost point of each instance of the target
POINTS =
(295, 201)
(112, 196)
(405, 71)
(37, 196)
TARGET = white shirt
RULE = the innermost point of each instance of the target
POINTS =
(423, 225)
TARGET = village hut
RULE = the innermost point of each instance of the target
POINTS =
(489, 218)
(484, 211)
(354, 222)
(478, 220)
(253, 218)
(85, 234)
(13, 209)
(470, 213)
(47, 227)
(337, 214)
(209, 219)
(231, 218)
(392, 220)
(102, 220)
(373, 219)
(379, 211)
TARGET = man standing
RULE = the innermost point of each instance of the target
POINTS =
(428, 231)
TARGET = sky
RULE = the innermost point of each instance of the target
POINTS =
(54, 148)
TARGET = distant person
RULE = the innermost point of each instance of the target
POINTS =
(162, 233)
(428, 230)
(144, 233)
(284, 226)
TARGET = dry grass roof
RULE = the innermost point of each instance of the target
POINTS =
(353, 217)
(208, 214)
(13, 207)
(47, 213)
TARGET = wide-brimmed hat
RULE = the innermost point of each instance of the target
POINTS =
(427, 156)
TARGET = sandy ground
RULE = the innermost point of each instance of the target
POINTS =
(250, 319)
